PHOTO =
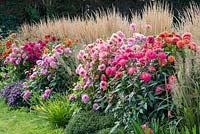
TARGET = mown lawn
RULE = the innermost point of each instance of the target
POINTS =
(22, 122)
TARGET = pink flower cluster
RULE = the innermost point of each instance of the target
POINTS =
(50, 60)
(85, 98)
(142, 59)
(47, 62)
(114, 57)
(17, 56)
(46, 93)
(30, 51)
(72, 97)
(26, 94)
(33, 50)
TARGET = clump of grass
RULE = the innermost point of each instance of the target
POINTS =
(158, 15)
(105, 23)
(57, 112)
(87, 30)
(187, 90)
(190, 21)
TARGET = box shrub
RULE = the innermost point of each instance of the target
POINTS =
(131, 77)
(108, 131)
(88, 122)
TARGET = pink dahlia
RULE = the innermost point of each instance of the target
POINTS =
(171, 79)
(158, 89)
(167, 87)
(131, 70)
(192, 45)
(103, 77)
(162, 55)
(118, 74)
(72, 97)
(150, 40)
(95, 106)
(148, 27)
(26, 94)
(131, 41)
(145, 76)
(133, 26)
(101, 67)
(110, 71)
(152, 68)
(187, 36)
(122, 62)
(103, 85)
(84, 98)
(150, 54)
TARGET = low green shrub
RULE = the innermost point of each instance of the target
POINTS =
(108, 131)
(89, 123)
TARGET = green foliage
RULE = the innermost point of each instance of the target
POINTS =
(8, 24)
(157, 128)
(88, 123)
(108, 131)
(57, 111)
(142, 102)
(126, 94)
(137, 128)
(59, 80)
(5, 74)
(186, 94)
(22, 122)
(32, 13)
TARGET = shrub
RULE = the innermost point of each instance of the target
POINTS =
(45, 63)
(131, 76)
(12, 94)
(88, 123)
(58, 111)
(20, 56)
(108, 131)
(55, 70)
(5, 50)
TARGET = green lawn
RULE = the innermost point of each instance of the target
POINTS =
(22, 122)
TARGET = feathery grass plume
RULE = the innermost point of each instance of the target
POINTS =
(105, 23)
(88, 30)
(190, 21)
(158, 15)
(186, 95)
(187, 90)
